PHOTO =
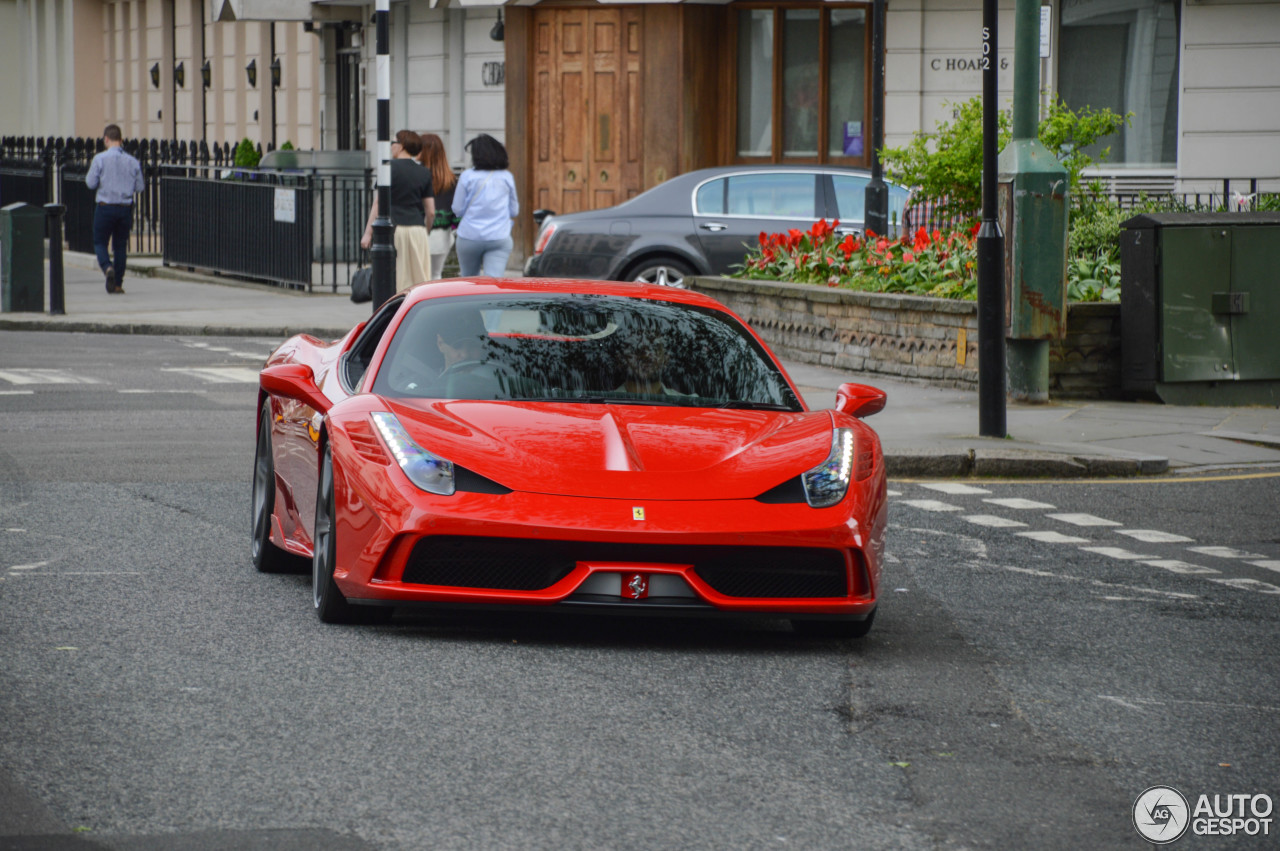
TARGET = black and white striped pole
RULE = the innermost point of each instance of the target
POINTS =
(382, 253)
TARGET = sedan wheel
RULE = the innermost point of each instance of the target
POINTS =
(663, 271)
(267, 557)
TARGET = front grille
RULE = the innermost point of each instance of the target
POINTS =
(519, 564)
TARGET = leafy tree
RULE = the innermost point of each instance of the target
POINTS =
(946, 165)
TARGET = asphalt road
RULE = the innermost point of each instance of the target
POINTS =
(1022, 685)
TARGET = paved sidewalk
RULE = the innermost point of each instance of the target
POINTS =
(926, 431)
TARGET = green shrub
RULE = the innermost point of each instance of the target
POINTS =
(246, 155)
(946, 165)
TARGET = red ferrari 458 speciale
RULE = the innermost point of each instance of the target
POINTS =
(612, 447)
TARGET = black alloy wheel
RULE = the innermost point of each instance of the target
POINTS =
(267, 557)
(329, 603)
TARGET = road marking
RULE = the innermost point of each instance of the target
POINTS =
(152, 392)
(1224, 552)
(954, 488)
(218, 374)
(1249, 585)
(892, 493)
(931, 505)
(32, 566)
(1176, 566)
(17, 392)
(1126, 704)
(45, 376)
(1084, 520)
(1116, 552)
(1269, 564)
(1053, 538)
(1179, 596)
(1020, 503)
(1154, 536)
(993, 521)
(1147, 701)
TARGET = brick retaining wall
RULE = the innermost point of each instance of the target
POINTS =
(928, 339)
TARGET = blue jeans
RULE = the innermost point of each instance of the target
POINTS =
(111, 222)
(492, 254)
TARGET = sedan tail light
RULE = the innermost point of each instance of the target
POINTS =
(544, 236)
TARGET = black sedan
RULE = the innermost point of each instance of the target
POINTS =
(701, 223)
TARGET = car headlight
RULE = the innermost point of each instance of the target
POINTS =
(430, 472)
(827, 483)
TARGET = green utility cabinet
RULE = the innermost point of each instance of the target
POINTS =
(1200, 307)
(21, 258)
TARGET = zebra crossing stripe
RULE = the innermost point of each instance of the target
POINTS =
(218, 374)
(45, 376)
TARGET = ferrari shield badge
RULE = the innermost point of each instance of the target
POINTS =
(635, 585)
(637, 513)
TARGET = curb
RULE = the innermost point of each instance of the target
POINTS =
(164, 330)
(985, 463)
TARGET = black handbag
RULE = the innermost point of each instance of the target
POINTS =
(362, 285)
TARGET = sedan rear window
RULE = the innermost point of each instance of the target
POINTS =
(778, 195)
(581, 348)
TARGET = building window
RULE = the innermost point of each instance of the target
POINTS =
(802, 83)
(1125, 60)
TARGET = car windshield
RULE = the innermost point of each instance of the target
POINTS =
(580, 348)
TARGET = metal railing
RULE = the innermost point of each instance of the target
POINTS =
(298, 229)
(44, 170)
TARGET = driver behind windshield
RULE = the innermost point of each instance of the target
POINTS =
(644, 356)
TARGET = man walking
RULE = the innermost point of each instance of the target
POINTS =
(117, 177)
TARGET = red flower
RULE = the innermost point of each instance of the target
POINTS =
(764, 239)
(908, 257)
(847, 246)
(921, 242)
(977, 226)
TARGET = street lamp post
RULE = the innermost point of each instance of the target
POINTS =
(876, 203)
(991, 377)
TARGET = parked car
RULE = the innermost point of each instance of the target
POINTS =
(703, 222)
(560, 446)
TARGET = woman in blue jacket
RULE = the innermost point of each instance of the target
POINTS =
(485, 201)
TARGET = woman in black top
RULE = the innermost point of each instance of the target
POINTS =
(413, 208)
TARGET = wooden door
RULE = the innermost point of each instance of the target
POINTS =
(587, 121)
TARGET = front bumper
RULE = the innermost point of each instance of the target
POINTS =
(398, 546)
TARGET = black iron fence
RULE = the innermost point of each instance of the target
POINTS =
(297, 228)
(248, 224)
(47, 170)
(188, 175)
(1224, 195)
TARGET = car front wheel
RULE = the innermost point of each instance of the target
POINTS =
(267, 557)
(663, 271)
(330, 605)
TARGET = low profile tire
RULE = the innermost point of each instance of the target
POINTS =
(663, 271)
(267, 557)
(834, 629)
(330, 605)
